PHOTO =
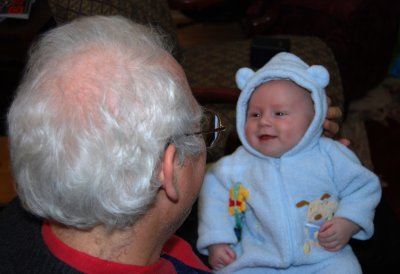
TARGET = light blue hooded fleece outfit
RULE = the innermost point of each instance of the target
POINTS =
(273, 235)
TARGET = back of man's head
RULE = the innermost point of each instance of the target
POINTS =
(100, 99)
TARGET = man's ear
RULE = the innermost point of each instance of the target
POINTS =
(167, 174)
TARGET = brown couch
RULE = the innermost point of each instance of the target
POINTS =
(361, 33)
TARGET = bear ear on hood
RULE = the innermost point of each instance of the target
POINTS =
(242, 77)
(319, 74)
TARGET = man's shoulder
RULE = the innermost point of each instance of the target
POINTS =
(182, 267)
(17, 226)
(180, 253)
(14, 216)
(20, 238)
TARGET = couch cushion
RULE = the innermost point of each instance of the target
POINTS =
(216, 65)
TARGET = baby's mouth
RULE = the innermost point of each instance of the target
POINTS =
(266, 137)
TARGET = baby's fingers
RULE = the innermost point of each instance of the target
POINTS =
(331, 246)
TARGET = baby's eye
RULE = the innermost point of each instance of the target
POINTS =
(254, 114)
(280, 113)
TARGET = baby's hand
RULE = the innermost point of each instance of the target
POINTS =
(336, 233)
(220, 255)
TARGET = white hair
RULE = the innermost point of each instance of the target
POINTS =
(91, 119)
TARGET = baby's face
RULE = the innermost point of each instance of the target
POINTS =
(278, 115)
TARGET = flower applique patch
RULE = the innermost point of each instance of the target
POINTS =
(237, 206)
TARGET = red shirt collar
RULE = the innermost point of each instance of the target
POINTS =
(175, 247)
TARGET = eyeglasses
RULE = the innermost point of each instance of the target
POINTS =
(211, 127)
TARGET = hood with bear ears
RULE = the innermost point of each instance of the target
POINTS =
(285, 66)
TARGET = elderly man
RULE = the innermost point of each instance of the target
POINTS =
(105, 149)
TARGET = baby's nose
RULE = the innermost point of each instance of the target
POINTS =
(265, 120)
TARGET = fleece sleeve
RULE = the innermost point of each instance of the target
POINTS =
(359, 188)
(215, 223)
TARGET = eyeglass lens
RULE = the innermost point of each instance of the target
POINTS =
(210, 122)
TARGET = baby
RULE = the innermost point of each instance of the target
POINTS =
(306, 195)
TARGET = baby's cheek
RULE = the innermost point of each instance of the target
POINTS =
(249, 131)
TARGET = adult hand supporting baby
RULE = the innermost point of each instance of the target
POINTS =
(331, 125)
